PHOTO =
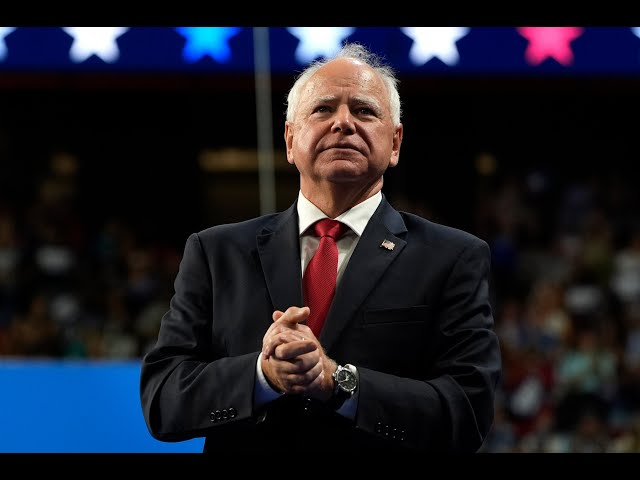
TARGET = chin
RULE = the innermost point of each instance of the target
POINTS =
(345, 176)
(344, 170)
(345, 180)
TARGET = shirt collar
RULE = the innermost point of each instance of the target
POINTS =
(356, 218)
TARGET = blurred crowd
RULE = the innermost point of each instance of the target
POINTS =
(565, 293)
(74, 288)
(566, 282)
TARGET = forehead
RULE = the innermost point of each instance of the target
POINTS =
(342, 74)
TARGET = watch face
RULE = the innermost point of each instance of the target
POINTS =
(346, 379)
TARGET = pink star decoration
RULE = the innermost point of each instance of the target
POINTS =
(549, 42)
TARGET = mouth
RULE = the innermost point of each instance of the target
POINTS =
(344, 147)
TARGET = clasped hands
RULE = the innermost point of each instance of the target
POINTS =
(293, 359)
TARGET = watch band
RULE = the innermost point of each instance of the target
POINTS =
(337, 399)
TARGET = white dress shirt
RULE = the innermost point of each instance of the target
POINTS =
(356, 218)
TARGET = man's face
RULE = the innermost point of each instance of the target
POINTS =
(342, 131)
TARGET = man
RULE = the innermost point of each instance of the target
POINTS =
(405, 357)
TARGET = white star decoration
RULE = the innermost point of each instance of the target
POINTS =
(4, 31)
(430, 42)
(99, 41)
(635, 30)
(318, 41)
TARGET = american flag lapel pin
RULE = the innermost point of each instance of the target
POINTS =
(388, 244)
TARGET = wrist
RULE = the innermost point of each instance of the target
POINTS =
(264, 364)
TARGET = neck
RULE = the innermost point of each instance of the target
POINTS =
(336, 198)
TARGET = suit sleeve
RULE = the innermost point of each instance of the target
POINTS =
(187, 383)
(452, 408)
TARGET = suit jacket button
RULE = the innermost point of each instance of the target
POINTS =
(378, 427)
(307, 405)
(225, 414)
(218, 414)
(212, 416)
(232, 412)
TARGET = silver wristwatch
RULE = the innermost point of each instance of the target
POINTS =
(346, 383)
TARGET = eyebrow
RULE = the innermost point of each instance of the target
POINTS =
(357, 99)
(324, 98)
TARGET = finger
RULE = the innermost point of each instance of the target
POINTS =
(284, 375)
(316, 384)
(270, 331)
(294, 315)
(297, 365)
(294, 348)
(279, 323)
(305, 330)
(308, 361)
(286, 336)
(266, 339)
(303, 382)
(275, 328)
(300, 364)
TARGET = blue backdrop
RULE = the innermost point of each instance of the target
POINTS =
(483, 50)
(76, 407)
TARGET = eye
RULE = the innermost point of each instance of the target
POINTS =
(321, 109)
(365, 111)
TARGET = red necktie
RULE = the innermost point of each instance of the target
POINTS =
(319, 282)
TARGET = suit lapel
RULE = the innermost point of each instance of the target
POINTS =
(367, 264)
(279, 250)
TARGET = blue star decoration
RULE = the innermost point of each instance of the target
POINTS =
(212, 41)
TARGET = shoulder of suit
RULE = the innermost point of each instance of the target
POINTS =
(238, 230)
(433, 232)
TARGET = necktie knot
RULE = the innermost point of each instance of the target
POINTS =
(328, 227)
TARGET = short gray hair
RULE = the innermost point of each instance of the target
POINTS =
(357, 52)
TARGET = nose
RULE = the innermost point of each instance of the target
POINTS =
(343, 120)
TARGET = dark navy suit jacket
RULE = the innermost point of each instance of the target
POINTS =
(415, 320)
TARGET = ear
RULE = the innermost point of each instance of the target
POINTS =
(397, 141)
(288, 140)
